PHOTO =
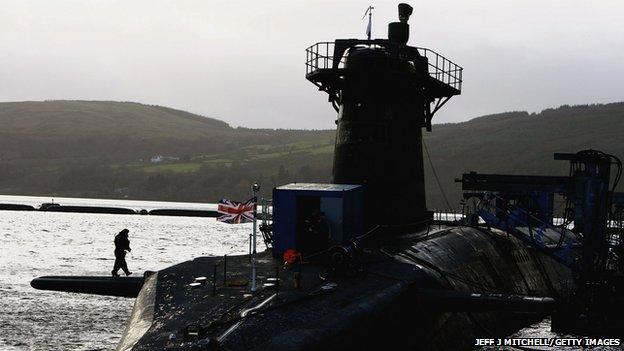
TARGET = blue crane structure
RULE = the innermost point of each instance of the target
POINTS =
(587, 237)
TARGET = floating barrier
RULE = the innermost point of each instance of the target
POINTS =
(86, 209)
(16, 207)
(184, 213)
(56, 207)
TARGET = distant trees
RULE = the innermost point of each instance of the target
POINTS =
(54, 161)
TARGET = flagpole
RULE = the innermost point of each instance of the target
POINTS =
(254, 189)
(369, 27)
(370, 22)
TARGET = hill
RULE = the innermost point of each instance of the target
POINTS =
(520, 143)
(105, 149)
(108, 149)
(117, 131)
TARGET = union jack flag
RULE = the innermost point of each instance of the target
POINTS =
(236, 212)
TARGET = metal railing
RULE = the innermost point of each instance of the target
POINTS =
(321, 56)
(266, 216)
(443, 69)
(266, 210)
(447, 216)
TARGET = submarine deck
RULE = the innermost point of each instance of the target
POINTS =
(329, 311)
(214, 310)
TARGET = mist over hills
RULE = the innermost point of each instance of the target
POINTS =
(128, 150)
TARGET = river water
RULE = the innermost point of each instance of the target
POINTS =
(50, 243)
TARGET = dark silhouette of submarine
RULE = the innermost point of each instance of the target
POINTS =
(386, 278)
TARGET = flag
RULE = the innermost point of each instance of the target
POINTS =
(236, 212)
(368, 28)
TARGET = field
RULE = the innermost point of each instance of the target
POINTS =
(244, 155)
(104, 149)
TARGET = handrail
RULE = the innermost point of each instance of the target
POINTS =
(320, 56)
(564, 233)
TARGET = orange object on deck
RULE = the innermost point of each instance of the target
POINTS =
(291, 256)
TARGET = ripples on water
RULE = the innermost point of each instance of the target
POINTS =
(45, 243)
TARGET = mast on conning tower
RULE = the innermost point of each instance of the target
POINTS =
(384, 92)
(369, 27)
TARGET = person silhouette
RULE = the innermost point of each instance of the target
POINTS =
(319, 235)
(122, 244)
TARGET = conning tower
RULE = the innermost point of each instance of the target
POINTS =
(385, 92)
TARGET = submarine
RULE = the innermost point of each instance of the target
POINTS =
(361, 263)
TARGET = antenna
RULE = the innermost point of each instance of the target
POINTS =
(369, 12)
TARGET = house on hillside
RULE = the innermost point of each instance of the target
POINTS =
(161, 158)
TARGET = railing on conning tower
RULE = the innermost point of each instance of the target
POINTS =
(320, 56)
(443, 69)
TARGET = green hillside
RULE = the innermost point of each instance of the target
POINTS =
(105, 149)
(118, 131)
(71, 129)
(520, 143)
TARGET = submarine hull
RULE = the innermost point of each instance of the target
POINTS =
(380, 302)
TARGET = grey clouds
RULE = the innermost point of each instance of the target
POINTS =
(243, 61)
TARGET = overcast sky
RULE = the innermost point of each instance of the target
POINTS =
(243, 61)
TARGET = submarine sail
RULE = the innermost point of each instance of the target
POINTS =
(383, 91)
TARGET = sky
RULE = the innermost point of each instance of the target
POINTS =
(243, 61)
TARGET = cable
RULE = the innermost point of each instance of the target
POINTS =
(618, 175)
(435, 174)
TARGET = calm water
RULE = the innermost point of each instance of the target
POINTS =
(44, 243)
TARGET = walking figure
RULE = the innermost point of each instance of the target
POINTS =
(122, 244)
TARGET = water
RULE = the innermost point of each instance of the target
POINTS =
(45, 243)
(542, 330)
(50, 243)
